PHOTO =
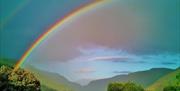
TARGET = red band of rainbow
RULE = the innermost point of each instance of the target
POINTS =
(59, 23)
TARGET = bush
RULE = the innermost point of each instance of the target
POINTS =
(115, 87)
(19, 80)
(175, 87)
(172, 88)
(124, 87)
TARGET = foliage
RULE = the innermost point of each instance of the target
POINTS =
(170, 80)
(175, 87)
(19, 80)
(178, 79)
(172, 88)
(115, 87)
(124, 87)
(46, 88)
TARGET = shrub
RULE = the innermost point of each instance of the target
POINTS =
(132, 87)
(172, 88)
(124, 87)
(19, 80)
(115, 87)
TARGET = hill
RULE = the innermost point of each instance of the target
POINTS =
(169, 79)
(143, 78)
(57, 82)
(53, 80)
(8, 62)
(11, 62)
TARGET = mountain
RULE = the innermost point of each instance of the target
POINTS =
(169, 79)
(59, 83)
(143, 78)
(53, 80)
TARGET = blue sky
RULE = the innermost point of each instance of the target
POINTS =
(23, 21)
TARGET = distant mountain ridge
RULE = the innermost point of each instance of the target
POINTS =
(143, 78)
(55, 82)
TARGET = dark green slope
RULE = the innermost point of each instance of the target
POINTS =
(53, 80)
(143, 78)
(169, 79)
(7, 62)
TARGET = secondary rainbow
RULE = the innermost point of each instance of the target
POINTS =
(58, 24)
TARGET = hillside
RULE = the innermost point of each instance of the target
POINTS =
(143, 78)
(8, 62)
(169, 79)
(11, 62)
(53, 80)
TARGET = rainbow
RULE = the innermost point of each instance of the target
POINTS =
(58, 24)
(14, 12)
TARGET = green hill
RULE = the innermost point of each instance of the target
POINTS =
(53, 80)
(143, 78)
(11, 62)
(59, 83)
(8, 62)
(169, 79)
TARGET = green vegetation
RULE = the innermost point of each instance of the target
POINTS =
(176, 86)
(19, 80)
(52, 81)
(157, 79)
(143, 78)
(171, 88)
(170, 82)
(124, 87)
(46, 88)
(7, 62)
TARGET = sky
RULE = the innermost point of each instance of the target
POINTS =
(119, 37)
(23, 21)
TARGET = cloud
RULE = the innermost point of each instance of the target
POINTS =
(121, 59)
(109, 58)
(168, 63)
(100, 50)
(101, 53)
(86, 70)
(121, 72)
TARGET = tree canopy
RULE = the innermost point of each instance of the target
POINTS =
(116, 86)
(19, 80)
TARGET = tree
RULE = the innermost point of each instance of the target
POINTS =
(172, 88)
(19, 80)
(115, 87)
(132, 87)
(124, 87)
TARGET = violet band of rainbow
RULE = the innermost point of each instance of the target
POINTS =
(59, 23)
